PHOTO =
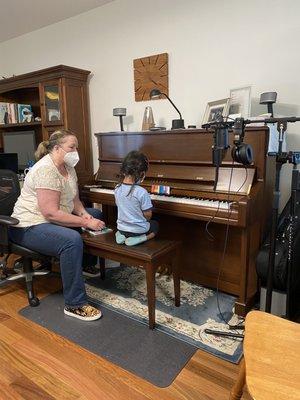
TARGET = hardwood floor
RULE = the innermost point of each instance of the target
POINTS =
(36, 364)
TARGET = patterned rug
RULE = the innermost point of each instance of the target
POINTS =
(124, 290)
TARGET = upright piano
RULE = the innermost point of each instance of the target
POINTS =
(221, 228)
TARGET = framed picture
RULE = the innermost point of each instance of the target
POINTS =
(53, 114)
(215, 109)
(240, 102)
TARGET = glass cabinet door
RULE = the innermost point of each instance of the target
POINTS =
(51, 103)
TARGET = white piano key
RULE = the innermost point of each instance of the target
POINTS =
(223, 205)
(102, 190)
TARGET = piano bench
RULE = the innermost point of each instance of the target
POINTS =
(148, 255)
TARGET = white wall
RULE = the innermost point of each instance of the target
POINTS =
(213, 46)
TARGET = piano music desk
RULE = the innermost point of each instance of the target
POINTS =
(149, 255)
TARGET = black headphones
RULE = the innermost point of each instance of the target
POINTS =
(241, 152)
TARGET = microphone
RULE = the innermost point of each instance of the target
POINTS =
(221, 144)
(221, 141)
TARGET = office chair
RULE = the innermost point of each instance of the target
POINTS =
(9, 192)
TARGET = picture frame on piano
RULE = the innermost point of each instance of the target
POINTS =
(216, 108)
(240, 102)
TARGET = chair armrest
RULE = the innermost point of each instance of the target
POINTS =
(5, 220)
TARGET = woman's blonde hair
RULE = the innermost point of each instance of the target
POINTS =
(55, 139)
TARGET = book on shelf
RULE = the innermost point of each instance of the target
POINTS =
(3, 113)
(13, 113)
(24, 112)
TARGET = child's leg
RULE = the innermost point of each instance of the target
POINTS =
(154, 227)
(134, 240)
(122, 235)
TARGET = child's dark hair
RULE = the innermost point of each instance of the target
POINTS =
(134, 164)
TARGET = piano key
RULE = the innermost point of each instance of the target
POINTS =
(102, 190)
(224, 205)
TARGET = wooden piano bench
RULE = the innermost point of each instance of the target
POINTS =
(149, 255)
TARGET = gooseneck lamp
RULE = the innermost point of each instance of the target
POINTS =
(176, 123)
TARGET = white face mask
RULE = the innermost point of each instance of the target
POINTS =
(71, 158)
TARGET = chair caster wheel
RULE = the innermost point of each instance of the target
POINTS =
(34, 302)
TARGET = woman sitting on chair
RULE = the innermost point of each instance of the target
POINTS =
(51, 217)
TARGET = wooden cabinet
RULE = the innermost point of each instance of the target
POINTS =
(51, 103)
(59, 96)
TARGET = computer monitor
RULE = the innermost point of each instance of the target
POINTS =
(9, 161)
(21, 142)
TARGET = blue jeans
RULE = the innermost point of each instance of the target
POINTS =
(65, 244)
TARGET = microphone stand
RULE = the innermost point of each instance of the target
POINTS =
(219, 148)
(280, 160)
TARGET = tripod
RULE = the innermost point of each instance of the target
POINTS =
(291, 231)
(282, 158)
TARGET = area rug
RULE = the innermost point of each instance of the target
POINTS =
(124, 290)
(152, 355)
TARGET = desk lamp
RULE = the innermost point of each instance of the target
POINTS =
(176, 123)
(268, 98)
(120, 112)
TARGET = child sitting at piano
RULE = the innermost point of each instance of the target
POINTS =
(134, 203)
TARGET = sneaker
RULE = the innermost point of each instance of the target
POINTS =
(91, 271)
(120, 239)
(134, 240)
(85, 313)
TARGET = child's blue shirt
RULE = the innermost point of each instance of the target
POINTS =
(131, 207)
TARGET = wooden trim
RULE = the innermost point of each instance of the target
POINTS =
(55, 72)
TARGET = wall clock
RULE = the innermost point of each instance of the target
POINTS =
(150, 73)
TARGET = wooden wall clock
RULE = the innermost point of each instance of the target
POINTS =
(150, 73)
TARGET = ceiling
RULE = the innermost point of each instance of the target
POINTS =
(18, 17)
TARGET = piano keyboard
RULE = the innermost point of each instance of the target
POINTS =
(221, 205)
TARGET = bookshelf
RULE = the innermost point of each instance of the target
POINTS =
(21, 124)
(59, 97)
